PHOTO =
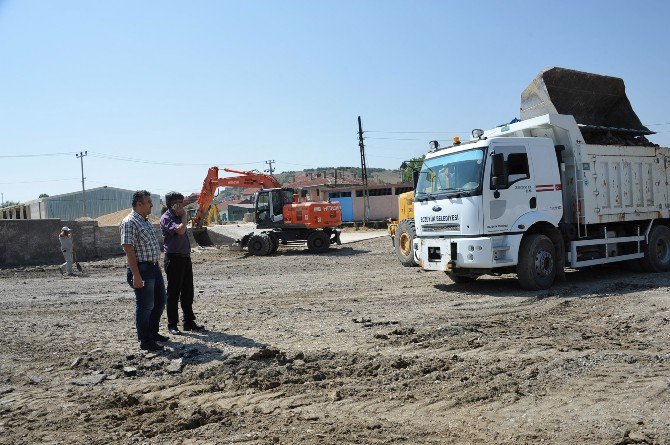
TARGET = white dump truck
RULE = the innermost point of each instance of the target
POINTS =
(575, 183)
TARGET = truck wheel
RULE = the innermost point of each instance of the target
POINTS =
(537, 262)
(318, 242)
(460, 279)
(259, 244)
(404, 236)
(657, 251)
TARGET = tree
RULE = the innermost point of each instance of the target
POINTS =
(9, 204)
(43, 195)
(408, 168)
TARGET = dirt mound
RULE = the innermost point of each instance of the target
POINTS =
(114, 219)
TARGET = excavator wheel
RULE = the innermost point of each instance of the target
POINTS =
(275, 243)
(260, 244)
(404, 236)
(318, 241)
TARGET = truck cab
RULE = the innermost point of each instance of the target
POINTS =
(474, 201)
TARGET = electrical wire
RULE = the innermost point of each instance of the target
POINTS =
(395, 139)
(38, 155)
(416, 132)
(173, 164)
(44, 180)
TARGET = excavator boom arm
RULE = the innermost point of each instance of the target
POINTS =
(212, 182)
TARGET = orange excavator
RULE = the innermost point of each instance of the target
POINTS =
(277, 211)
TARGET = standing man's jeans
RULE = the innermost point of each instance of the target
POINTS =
(67, 254)
(179, 271)
(149, 300)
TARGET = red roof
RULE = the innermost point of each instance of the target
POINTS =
(193, 197)
(307, 181)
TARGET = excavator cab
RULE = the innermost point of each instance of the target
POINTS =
(269, 207)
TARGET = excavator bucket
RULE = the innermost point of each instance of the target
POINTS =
(201, 236)
(598, 103)
(207, 237)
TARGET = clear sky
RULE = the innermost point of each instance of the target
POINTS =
(157, 91)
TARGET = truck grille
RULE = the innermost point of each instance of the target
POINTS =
(450, 227)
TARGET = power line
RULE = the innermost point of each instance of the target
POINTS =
(417, 132)
(38, 155)
(44, 180)
(172, 164)
(394, 139)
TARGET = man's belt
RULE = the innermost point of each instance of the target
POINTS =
(155, 263)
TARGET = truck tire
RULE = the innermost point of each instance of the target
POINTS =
(260, 244)
(404, 237)
(537, 262)
(318, 241)
(657, 251)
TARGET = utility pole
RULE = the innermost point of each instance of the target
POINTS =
(364, 174)
(270, 169)
(83, 188)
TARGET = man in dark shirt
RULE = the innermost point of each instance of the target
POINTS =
(178, 268)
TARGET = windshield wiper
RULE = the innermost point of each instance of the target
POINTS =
(426, 197)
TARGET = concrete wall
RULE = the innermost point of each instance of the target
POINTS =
(35, 242)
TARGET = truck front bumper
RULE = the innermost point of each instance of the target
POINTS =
(448, 254)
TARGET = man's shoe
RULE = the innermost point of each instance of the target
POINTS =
(62, 272)
(159, 337)
(174, 331)
(151, 346)
(192, 326)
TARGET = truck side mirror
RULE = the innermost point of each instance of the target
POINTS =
(415, 177)
(498, 177)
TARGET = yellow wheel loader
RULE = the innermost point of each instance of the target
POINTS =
(402, 229)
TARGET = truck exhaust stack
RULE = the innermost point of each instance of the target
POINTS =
(598, 103)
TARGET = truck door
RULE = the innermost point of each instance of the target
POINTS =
(514, 194)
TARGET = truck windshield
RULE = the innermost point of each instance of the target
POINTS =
(455, 173)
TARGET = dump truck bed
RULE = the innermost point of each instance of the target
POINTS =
(619, 183)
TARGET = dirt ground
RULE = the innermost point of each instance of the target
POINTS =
(345, 347)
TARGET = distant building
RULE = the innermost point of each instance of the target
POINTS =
(236, 212)
(69, 206)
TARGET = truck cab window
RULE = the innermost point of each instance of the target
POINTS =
(452, 173)
(516, 164)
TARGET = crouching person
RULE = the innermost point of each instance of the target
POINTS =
(143, 273)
